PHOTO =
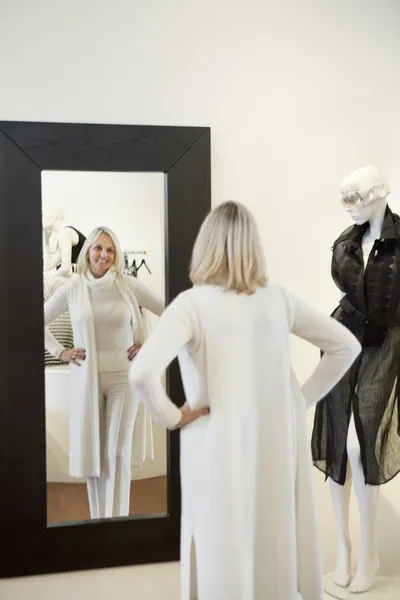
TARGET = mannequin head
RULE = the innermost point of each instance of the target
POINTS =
(100, 251)
(364, 194)
(52, 218)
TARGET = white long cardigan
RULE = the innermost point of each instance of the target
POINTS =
(249, 526)
(84, 431)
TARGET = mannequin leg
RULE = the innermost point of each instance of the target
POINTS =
(367, 498)
(340, 495)
(121, 410)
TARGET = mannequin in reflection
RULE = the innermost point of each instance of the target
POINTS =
(61, 244)
(103, 304)
(356, 428)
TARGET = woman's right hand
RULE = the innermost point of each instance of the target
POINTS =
(73, 356)
(189, 415)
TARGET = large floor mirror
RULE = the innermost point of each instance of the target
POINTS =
(76, 197)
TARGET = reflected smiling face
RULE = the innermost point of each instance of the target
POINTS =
(101, 255)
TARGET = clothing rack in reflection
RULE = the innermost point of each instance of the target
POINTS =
(131, 268)
(135, 251)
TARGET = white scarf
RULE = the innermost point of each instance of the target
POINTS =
(84, 410)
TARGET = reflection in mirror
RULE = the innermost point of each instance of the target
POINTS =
(105, 456)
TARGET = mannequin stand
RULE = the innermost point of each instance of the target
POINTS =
(383, 588)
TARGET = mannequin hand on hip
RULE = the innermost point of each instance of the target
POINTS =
(132, 351)
(73, 356)
(189, 415)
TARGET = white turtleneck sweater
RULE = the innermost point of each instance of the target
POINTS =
(113, 329)
(112, 321)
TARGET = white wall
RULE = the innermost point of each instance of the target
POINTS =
(296, 93)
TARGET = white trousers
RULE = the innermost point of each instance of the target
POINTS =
(109, 494)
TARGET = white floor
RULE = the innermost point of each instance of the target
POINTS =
(150, 582)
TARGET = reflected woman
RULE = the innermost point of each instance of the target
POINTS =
(103, 304)
(249, 526)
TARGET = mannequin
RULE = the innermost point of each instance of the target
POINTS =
(61, 244)
(356, 435)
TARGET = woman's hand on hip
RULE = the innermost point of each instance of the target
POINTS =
(73, 356)
(189, 415)
(132, 351)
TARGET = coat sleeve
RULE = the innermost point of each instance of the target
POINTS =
(339, 345)
(53, 308)
(175, 329)
(145, 297)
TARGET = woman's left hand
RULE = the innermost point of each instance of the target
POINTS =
(132, 351)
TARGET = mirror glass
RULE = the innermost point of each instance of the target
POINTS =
(106, 458)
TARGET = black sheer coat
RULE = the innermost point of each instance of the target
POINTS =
(371, 310)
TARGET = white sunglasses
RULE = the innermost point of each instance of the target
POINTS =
(356, 199)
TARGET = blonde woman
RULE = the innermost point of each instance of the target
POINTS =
(103, 304)
(248, 517)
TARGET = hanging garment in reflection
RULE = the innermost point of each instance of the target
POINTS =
(132, 271)
(143, 264)
(132, 268)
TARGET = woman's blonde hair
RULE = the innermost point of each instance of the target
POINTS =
(82, 265)
(228, 250)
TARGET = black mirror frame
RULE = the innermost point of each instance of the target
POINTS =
(30, 546)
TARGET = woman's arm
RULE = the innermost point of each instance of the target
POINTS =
(53, 308)
(175, 329)
(145, 297)
(339, 345)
